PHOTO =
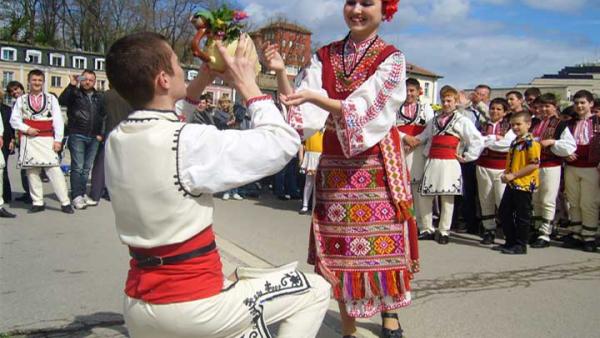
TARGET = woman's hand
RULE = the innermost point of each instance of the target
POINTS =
(299, 98)
(272, 58)
(239, 70)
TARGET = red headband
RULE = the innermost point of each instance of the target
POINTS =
(390, 7)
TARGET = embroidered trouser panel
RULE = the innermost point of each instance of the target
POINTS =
(243, 310)
(583, 193)
(423, 208)
(490, 189)
(544, 200)
(57, 179)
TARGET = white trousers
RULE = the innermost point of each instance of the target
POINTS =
(244, 309)
(415, 161)
(447, 206)
(544, 200)
(57, 179)
(582, 187)
(2, 167)
(490, 189)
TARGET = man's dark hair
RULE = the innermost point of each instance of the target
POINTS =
(501, 102)
(88, 71)
(411, 81)
(522, 114)
(484, 86)
(569, 111)
(549, 98)
(515, 93)
(35, 72)
(134, 61)
(205, 97)
(14, 84)
(584, 94)
(597, 103)
(533, 91)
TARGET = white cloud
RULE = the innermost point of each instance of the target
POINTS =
(449, 11)
(558, 5)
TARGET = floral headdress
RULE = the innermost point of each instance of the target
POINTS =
(390, 7)
(224, 23)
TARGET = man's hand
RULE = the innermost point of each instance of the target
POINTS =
(74, 79)
(507, 178)
(571, 158)
(99, 138)
(461, 159)
(273, 59)
(57, 146)
(298, 98)
(1, 142)
(547, 143)
(11, 145)
(32, 132)
(239, 70)
(411, 141)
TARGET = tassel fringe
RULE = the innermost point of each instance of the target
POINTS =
(365, 285)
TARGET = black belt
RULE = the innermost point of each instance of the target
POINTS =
(151, 261)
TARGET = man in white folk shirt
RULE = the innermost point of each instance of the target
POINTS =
(161, 174)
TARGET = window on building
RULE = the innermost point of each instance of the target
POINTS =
(56, 81)
(79, 62)
(102, 85)
(99, 64)
(33, 56)
(7, 77)
(283, 44)
(57, 60)
(427, 89)
(192, 74)
(291, 44)
(8, 54)
(291, 70)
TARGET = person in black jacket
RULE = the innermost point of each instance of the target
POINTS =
(86, 117)
(7, 143)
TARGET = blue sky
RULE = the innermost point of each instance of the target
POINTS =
(498, 42)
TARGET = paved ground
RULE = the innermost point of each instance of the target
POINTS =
(62, 276)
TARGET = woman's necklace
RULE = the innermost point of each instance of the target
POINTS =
(346, 74)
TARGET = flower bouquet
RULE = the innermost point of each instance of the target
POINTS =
(223, 24)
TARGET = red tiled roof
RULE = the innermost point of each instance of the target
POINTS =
(414, 69)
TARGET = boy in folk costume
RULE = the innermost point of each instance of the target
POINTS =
(491, 164)
(363, 235)
(162, 199)
(451, 139)
(557, 142)
(411, 120)
(582, 179)
(38, 119)
(521, 177)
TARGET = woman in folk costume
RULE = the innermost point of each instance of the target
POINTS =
(364, 236)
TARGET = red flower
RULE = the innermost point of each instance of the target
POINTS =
(390, 7)
(239, 15)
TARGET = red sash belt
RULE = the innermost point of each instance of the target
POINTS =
(332, 146)
(583, 157)
(45, 127)
(492, 159)
(196, 278)
(411, 129)
(550, 160)
(444, 147)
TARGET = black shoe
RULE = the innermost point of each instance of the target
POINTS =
(349, 336)
(589, 246)
(540, 243)
(67, 209)
(515, 250)
(5, 214)
(25, 198)
(443, 240)
(460, 228)
(426, 236)
(387, 333)
(570, 242)
(499, 247)
(488, 238)
(37, 208)
(304, 211)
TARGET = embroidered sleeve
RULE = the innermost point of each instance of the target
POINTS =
(503, 144)
(370, 111)
(472, 139)
(307, 119)
(57, 119)
(16, 117)
(564, 146)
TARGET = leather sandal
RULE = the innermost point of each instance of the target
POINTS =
(387, 333)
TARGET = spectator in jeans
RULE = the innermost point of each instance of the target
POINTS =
(86, 123)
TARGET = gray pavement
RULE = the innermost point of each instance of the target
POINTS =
(63, 276)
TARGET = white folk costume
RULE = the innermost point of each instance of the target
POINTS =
(41, 112)
(582, 181)
(412, 120)
(161, 174)
(447, 136)
(544, 199)
(490, 167)
(363, 235)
